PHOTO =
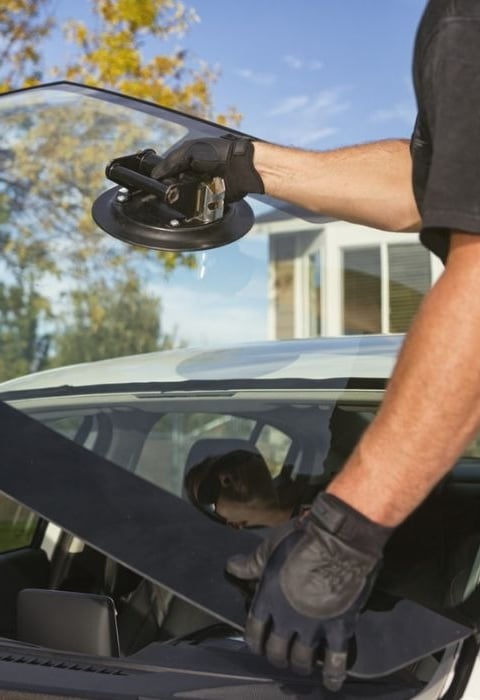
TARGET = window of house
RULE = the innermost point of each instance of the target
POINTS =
(314, 294)
(282, 253)
(383, 286)
(362, 291)
(409, 279)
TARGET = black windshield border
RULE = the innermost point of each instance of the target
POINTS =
(200, 385)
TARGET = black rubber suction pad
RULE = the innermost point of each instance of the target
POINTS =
(142, 219)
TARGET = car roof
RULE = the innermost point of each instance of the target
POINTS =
(306, 359)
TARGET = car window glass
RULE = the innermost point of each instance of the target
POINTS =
(17, 524)
(274, 445)
(67, 426)
(165, 452)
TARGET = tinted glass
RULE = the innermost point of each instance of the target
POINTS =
(17, 524)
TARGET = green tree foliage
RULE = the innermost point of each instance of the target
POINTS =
(51, 169)
(23, 25)
(24, 346)
(108, 321)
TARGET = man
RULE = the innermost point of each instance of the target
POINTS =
(315, 576)
(237, 489)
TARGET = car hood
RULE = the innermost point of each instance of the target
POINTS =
(360, 357)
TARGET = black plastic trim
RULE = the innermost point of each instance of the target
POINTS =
(200, 385)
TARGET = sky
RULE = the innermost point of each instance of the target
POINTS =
(311, 73)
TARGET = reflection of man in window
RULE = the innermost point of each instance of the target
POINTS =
(237, 489)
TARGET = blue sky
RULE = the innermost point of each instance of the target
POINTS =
(314, 73)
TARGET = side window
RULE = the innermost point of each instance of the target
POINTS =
(17, 524)
(273, 445)
(165, 452)
(67, 426)
(362, 290)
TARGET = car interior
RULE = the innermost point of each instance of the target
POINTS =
(56, 583)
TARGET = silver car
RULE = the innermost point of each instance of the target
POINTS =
(127, 482)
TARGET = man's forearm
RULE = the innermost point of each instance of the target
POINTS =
(369, 184)
(431, 409)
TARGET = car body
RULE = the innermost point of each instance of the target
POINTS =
(112, 580)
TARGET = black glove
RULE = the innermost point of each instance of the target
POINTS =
(316, 575)
(228, 157)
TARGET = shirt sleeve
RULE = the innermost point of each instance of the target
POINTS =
(451, 102)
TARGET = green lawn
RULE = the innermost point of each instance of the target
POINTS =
(14, 536)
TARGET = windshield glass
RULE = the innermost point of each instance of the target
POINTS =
(71, 293)
(163, 464)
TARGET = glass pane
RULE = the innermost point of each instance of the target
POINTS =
(362, 290)
(314, 295)
(17, 524)
(274, 446)
(164, 454)
(67, 426)
(282, 253)
(409, 280)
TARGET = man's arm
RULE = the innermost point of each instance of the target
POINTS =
(369, 184)
(431, 409)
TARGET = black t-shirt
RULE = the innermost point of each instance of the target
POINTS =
(446, 140)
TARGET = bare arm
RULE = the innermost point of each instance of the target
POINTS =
(369, 184)
(432, 409)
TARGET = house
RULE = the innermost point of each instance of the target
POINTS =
(334, 278)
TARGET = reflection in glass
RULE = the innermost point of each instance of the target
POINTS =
(409, 280)
(362, 290)
(315, 294)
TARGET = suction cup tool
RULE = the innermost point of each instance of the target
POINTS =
(142, 219)
(184, 213)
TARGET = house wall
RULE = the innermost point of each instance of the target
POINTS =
(336, 278)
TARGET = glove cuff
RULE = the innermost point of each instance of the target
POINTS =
(352, 527)
(244, 178)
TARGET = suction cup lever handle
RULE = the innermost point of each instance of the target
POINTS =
(133, 180)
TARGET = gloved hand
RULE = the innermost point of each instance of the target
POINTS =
(315, 574)
(228, 157)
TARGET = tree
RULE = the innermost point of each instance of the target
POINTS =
(23, 25)
(52, 168)
(22, 312)
(110, 320)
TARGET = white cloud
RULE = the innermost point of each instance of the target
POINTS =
(293, 62)
(402, 111)
(297, 63)
(309, 119)
(290, 104)
(255, 77)
(307, 138)
(328, 102)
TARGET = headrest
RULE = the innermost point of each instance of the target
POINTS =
(214, 447)
(208, 448)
